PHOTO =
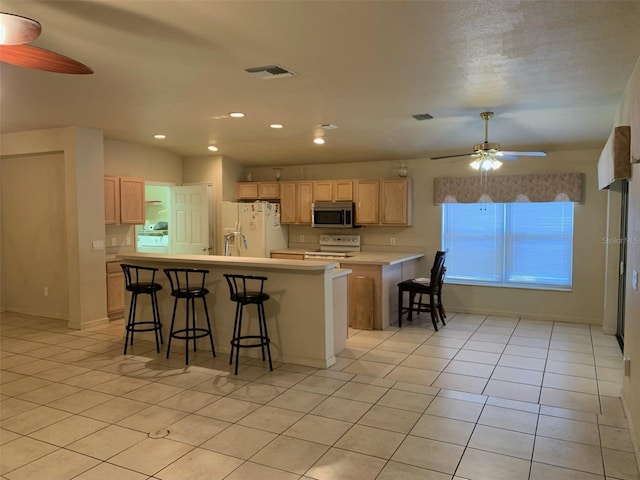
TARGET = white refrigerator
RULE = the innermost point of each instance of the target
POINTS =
(259, 222)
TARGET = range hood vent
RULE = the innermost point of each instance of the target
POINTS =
(268, 72)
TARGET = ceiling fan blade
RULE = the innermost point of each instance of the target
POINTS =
(40, 59)
(16, 29)
(453, 156)
(525, 154)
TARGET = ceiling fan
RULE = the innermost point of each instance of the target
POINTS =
(16, 32)
(486, 155)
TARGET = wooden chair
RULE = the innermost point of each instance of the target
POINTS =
(430, 289)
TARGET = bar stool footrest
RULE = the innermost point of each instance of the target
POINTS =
(141, 326)
(193, 333)
(263, 342)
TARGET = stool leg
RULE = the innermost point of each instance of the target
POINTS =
(130, 321)
(399, 308)
(173, 321)
(238, 340)
(262, 316)
(156, 320)
(206, 314)
(262, 333)
(235, 332)
(411, 300)
(157, 315)
(186, 331)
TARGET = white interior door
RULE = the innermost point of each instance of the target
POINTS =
(189, 225)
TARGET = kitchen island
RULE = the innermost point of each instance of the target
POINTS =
(306, 314)
(373, 297)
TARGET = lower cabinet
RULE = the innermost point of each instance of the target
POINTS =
(115, 290)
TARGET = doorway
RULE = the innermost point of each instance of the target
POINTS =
(622, 277)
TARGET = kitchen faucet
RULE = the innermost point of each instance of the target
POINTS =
(231, 235)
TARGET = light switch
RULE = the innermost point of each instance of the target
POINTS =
(98, 245)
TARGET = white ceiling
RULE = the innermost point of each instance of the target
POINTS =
(552, 71)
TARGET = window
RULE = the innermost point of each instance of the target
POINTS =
(509, 244)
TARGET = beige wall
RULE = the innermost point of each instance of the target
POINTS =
(631, 384)
(583, 304)
(78, 175)
(34, 237)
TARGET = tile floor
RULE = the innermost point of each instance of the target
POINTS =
(484, 398)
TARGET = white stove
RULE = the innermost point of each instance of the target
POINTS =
(335, 247)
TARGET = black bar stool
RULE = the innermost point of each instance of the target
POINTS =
(188, 284)
(247, 290)
(142, 281)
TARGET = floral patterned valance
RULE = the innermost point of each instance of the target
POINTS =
(548, 187)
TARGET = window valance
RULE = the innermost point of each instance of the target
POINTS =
(547, 187)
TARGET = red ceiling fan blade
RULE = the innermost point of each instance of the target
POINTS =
(40, 59)
(16, 29)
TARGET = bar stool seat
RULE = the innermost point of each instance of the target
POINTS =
(248, 290)
(142, 281)
(188, 284)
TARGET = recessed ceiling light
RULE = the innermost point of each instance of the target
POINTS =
(318, 141)
(159, 136)
(236, 114)
(213, 148)
(276, 125)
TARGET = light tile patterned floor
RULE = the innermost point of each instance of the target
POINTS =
(484, 398)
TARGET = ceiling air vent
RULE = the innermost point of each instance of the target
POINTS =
(268, 72)
(422, 116)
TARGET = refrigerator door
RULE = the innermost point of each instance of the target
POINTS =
(252, 225)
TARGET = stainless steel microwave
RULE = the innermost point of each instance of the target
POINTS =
(332, 214)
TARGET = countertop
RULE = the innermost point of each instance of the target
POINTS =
(218, 260)
(368, 258)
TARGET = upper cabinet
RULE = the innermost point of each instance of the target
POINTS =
(332, 190)
(383, 202)
(295, 202)
(396, 196)
(123, 200)
(258, 190)
(367, 202)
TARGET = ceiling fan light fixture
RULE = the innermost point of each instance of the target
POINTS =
(486, 164)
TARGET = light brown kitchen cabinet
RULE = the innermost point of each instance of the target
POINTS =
(123, 200)
(115, 290)
(288, 202)
(396, 201)
(367, 202)
(111, 200)
(304, 196)
(258, 190)
(332, 190)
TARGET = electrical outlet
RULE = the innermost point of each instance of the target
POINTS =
(301, 238)
(114, 242)
(98, 245)
(128, 240)
(392, 241)
(46, 291)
